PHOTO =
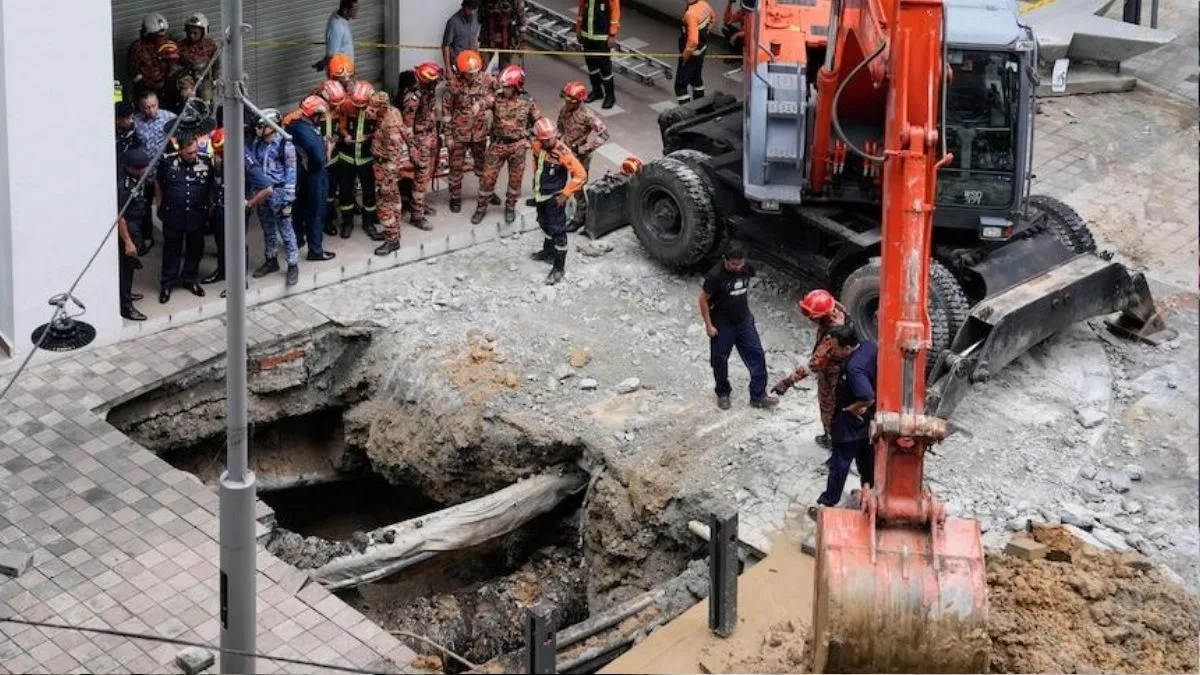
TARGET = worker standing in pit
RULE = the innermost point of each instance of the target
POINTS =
(821, 308)
(354, 154)
(557, 175)
(698, 21)
(583, 131)
(855, 408)
(391, 148)
(597, 23)
(513, 114)
(420, 108)
(725, 309)
(468, 94)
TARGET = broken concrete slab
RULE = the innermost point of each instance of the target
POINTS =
(1111, 539)
(1025, 549)
(1077, 516)
(1085, 537)
(1089, 79)
(1090, 418)
(14, 563)
(194, 660)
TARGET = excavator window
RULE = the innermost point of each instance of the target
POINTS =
(982, 112)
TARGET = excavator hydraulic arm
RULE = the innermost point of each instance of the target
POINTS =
(900, 587)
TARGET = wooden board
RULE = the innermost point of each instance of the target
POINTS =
(776, 591)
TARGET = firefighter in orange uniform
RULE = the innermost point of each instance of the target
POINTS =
(513, 114)
(421, 116)
(698, 21)
(393, 156)
(468, 96)
(557, 176)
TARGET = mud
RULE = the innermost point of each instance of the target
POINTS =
(1098, 612)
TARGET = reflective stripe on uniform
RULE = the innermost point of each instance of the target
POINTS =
(357, 159)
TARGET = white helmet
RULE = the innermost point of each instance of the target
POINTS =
(154, 23)
(197, 20)
(271, 114)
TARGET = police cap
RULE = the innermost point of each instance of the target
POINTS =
(135, 158)
(124, 109)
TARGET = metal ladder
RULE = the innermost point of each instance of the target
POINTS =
(556, 31)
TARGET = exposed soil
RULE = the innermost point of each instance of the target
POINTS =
(1098, 612)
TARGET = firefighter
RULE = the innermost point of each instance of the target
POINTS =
(335, 95)
(733, 24)
(340, 68)
(196, 50)
(393, 157)
(421, 116)
(468, 95)
(820, 307)
(557, 176)
(354, 154)
(168, 54)
(513, 114)
(597, 23)
(148, 69)
(583, 131)
(305, 126)
(698, 20)
(503, 27)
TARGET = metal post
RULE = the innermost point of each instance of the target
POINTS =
(238, 584)
(722, 571)
(541, 641)
(1132, 12)
(1154, 13)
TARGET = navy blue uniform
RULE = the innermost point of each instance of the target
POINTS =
(850, 435)
(729, 310)
(256, 180)
(185, 208)
(312, 186)
(127, 186)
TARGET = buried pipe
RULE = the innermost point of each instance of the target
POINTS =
(396, 547)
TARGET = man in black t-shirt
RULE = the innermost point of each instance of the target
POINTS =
(729, 323)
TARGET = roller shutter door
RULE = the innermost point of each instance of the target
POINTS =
(277, 77)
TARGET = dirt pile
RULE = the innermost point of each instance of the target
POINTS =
(475, 368)
(1088, 611)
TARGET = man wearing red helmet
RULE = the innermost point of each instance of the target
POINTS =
(313, 184)
(557, 175)
(583, 131)
(468, 95)
(393, 158)
(822, 309)
(421, 115)
(513, 115)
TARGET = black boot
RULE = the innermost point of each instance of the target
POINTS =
(610, 94)
(347, 224)
(293, 275)
(545, 255)
(271, 265)
(477, 217)
(387, 247)
(556, 273)
(597, 91)
(455, 204)
(510, 216)
(372, 232)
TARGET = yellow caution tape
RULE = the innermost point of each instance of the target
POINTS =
(292, 44)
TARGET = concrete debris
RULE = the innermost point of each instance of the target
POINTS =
(1113, 524)
(1089, 418)
(1085, 537)
(1112, 540)
(1017, 524)
(1119, 482)
(1088, 473)
(14, 563)
(588, 384)
(594, 249)
(1131, 506)
(1133, 471)
(1026, 549)
(629, 385)
(1077, 516)
(193, 660)
(564, 371)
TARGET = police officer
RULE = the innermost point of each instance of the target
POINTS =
(277, 157)
(557, 175)
(126, 134)
(134, 162)
(698, 20)
(183, 201)
(258, 190)
(597, 23)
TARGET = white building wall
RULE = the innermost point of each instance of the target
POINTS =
(413, 22)
(57, 164)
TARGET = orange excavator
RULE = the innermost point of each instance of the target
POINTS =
(916, 103)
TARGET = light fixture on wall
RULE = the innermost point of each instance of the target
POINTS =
(64, 333)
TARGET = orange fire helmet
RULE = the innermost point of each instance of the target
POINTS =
(468, 61)
(333, 92)
(428, 72)
(168, 50)
(361, 95)
(575, 91)
(340, 66)
(217, 140)
(513, 76)
(817, 304)
(312, 106)
(631, 165)
(544, 129)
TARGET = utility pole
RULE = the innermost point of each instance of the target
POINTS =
(238, 585)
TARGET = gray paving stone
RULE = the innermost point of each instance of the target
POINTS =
(14, 563)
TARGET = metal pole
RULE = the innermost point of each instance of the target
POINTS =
(1154, 13)
(238, 591)
(722, 571)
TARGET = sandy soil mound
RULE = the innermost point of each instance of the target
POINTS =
(1086, 611)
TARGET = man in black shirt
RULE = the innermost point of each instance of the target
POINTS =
(855, 408)
(729, 323)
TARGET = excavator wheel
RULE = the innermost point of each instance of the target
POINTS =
(694, 159)
(672, 213)
(896, 599)
(1065, 223)
(948, 306)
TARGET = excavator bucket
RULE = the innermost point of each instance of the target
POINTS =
(607, 200)
(898, 600)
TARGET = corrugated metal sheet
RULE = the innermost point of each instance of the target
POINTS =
(277, 77)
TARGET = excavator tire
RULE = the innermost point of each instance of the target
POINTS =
(673, 116)
(672, 213)
(1066, 224)
(948, 306)
(694, 158)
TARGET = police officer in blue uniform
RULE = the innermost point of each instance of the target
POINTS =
(183, 201)
(258, 190)
(277, 157)
(134, 163)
